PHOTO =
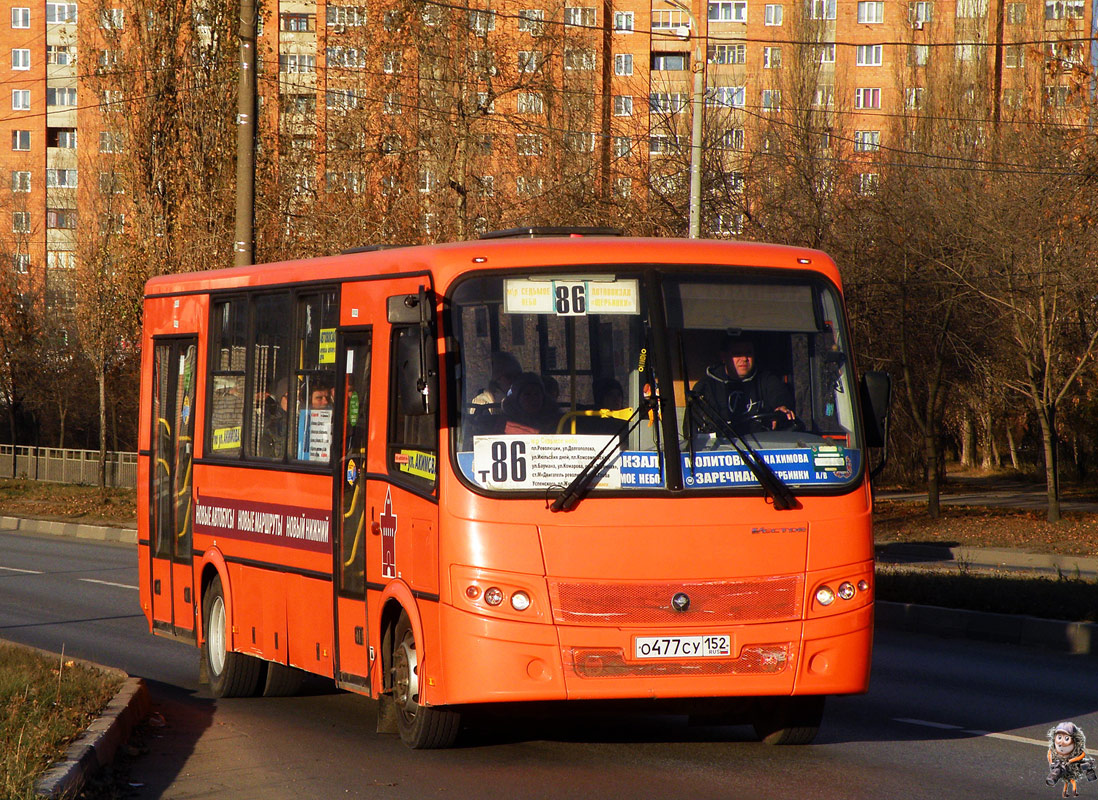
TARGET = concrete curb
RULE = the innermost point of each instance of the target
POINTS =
(905, 552)
(75, 530)
(97, 746)
(1077, 638)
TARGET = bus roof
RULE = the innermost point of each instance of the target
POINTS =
(445, 262)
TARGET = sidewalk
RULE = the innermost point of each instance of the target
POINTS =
(76, 530)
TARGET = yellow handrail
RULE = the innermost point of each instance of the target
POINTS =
(601, 413)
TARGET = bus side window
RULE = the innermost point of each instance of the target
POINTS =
(413, 438)
(314, 385)
(229, 351)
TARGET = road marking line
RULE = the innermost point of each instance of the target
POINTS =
(1009, 737)
(926, 724)
(27, 571)
(108, 583)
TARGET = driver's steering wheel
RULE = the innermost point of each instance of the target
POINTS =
(774, 421)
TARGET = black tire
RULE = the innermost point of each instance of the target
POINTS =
(230, 674)
(788, 720)
(420, 727)
(282, 681)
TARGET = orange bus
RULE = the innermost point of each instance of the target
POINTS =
(511, 470)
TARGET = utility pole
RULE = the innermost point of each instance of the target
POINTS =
(697, 106)
(244, 244)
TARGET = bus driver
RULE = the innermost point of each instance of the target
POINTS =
(741, 394)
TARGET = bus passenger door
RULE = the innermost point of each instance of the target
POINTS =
(350, 546)
(171, 504)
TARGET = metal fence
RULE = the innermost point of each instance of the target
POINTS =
(62, 465)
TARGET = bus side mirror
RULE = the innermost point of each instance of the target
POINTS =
(876, 393)
(416, 371)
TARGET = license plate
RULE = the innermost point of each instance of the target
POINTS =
(682, 646)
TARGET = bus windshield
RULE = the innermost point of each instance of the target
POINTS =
(556, 369)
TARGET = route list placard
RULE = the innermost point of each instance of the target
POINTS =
(539, 461)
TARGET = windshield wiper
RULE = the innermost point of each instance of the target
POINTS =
(773, 486)
(583, 482)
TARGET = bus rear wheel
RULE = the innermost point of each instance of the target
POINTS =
(420, 727)
(231, 674)
(788, 720)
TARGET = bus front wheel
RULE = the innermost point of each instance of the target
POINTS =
(231, 674)
(420, 727)
(788, 720)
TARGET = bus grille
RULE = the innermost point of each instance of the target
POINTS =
(755, 600)
(603, 662)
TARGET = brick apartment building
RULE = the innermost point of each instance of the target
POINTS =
(484, 109)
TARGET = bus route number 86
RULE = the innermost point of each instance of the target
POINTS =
(570, 299)
(509, 463)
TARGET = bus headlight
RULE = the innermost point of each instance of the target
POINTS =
(846, 590)
(493, 596)
(825, 596)
(520, 601)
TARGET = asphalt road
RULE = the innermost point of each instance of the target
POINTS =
(943, 719)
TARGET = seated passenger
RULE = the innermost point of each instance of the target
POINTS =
(526, 408)
(609, 394)
(505, 368)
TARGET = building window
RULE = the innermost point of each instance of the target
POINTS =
(623, 64)
(1057, 96)
(63, 96)
(920, 12)
(771, 100)
(481, 22)
(110, 142)
(60, 55)
(576, 59)
(527, 186)
(867, 98)
(576, 142)
(623, 21)
(662, 143)
(772, 57)
(531, 20)
(623, 105)
(583, 17)
(294, 63)
(827, 53)
(20, 222)
(623, 188)
(867, 141)
(772, 14)
(670, 20)
(61, 218)
(20, 140)
(732, 139)
(823, 97)
(21, 263)
(20, 59)
(60, 13)
(728, 96)
(822, 9)
(391, 104)
(965, 51)
(297, 23)
(391, 62)
(722, 225)
(1063, 9)
(530, 103)
(20, 99)
(727, 53)
(1016, 13)
(346, 16)
(918, 55)
(112, 19)
(528, 144)
(623, 146)
(111, 183)
(728, 10)
(20, 181)
(972, 9)
(61, 178)
(670, 62)
(870, 55)
(913, 98)
(867, 183)
(529, 60)
(871, 12)
(20, 17)
(61, 137)
(666, 102)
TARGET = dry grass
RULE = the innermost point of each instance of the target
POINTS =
(24, 498)
(45, 702)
